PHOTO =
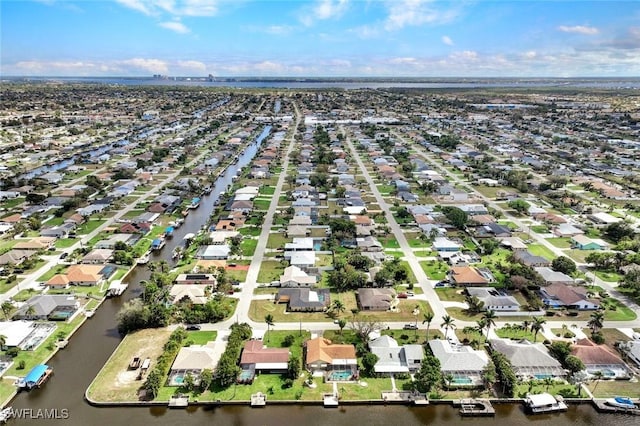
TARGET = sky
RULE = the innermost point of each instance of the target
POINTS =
(323, 38)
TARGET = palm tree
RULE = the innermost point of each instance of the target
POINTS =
(481, 325)
(536, 326)
(597, 376)
(596, 321)
(427, 317)
(338, 306)
(163, 265)
(269, 320)
(489, 317)
(342, 323)
(6, 309)
(447, 323)
(548, 381)
(3, 340)
(448, 379)
(525, 325)
(31, 311)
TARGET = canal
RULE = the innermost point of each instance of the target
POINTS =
(90, 347)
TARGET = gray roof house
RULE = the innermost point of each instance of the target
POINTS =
(375, 299)
(493, 299)
(46, 306)
(304, 299)
(529, 360)
(465, 364)
(552, 277)
(393, 358)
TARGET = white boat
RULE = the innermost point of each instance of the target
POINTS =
(143, 260)
(544, 403)
(621, 402)
(6, 414)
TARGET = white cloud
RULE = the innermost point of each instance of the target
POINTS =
(529, 55)
(175, 26)
(323, 10)
(579, 29)
(195, 66)
(415, 13)
(173, 7)
(447, 40)
(151, 66)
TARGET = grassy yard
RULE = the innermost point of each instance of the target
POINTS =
(261, 204)
(608, 276)
(277, 240)
(578, 255)
(9, 204)
(65, 243)
(252, 231)
(201, 337)
(611, 388)
(59, 269)
(248, 247)
(267, 190)
(540, 250)
(7, 388)
(270, 271)
(540, 229)
(435, 270)
(555, 388)
(90, 226)
(561, 242)
(389, 242)
(450, 294)
(115, 382)
(517, 333)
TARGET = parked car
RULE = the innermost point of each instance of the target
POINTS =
(402, 295)
(193, 327)
(64, 255)
(410, 293)
(410, 327)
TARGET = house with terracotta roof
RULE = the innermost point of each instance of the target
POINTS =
(323, 355)
(470, 276)
(86, 275)
(256, 357)
(39, 243)
(600, 358)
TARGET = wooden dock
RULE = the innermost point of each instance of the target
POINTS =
(475, 408)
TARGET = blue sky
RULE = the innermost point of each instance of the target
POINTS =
(428, 38)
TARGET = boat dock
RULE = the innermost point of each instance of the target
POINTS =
(475, 408)
(258, 399)
(179, 401)
(116, 288)
(36, 377)
(601, 406)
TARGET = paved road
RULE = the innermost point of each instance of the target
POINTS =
(423, 281)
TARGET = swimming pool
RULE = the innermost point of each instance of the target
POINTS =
(179, 379)
(543, 376)
(339, 376)
(462, 381)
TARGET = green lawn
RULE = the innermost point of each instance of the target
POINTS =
(540, 250)
(608, 276)
(611, 388)
(560, 242)
(578, 255)
(540, 229)
(267, 190)
(277, 240)
(270, 271)
(252, 231)
(248, 247)
(90, 226)
(261, 204)
(517, 333)
(9, 204)
(59, 269)
(389, 242)
(435, 270)
(65, 243)
(555, 388)
(201, 337)
(450, 294)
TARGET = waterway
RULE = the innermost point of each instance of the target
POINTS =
(77, 365)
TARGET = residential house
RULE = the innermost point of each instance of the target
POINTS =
(375, 299)
(135, 228)
(15, 257)
(470, 276)
(393, 358)
(529, 360)
(304, 299)
(98, 256)
(443, 244)
(560, 295)
(527, 258)
(48, 307)
(196, 279)
(195, 294)
(296, 277)
(110, 243)
(553, 277)
(494, 299)
(323, 355)
(192, 360)
(61, 231)
(214, 252)
(39, 243)
(599, 358)
(567, 230)
(84, 275)
(369, 244)
(514, 243)
(582, 242)
(462, 362)
(258, 358)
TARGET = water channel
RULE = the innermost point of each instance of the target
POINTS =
(77, 365)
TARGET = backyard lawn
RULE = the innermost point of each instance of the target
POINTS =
(63, 243)
(270, 271)
(540, 250)
(248, 246)
(201, 337)
(611, 388)
(89, 226)
(608, 276)
(435, 270)
(561, 242)
(277, 240)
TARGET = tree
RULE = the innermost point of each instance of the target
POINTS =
(429, 374)
(133, 315)
(293, 367)
(3, 341)
(338, 306)
(206, 378)
(596, 321)
(573, 364)
(6, 307)
(578, 379)
(269, 320)
(447, 323)
(456, 216)
(31, 311)
(597, 375)
(519, 205)
(427, 317)
(617, 231)
(189, 381)
(489, 317)
(536, 326)
(563, 264)
(369, 361)
(342, 324)
(474, 304)
(364, 326)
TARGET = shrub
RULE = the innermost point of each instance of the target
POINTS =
(21, 364)
(288, 340)
(597, 338)
(288, 383)
(13, 352)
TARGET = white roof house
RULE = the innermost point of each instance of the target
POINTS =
(15, 332)
(463, 362)
(393, 358)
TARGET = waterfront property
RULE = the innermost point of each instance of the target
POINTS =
(393, 358)
(192, 360)
(46, 306)
(529, 360)
(257, 358)
(599, 359)
(464, 364)
(335, 362)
